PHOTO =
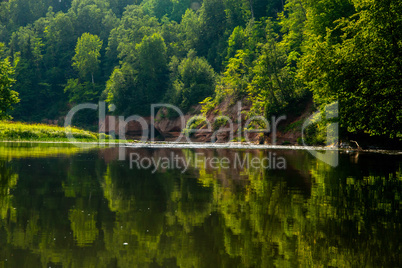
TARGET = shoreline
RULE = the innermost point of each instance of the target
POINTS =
(201, 145)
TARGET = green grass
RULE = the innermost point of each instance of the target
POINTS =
(17, 131)
(15, 150)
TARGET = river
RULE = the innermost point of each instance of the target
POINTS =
(64, 206)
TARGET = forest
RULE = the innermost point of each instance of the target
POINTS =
(273, 55)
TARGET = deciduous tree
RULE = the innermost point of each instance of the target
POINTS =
(87, 53)
(8, 97)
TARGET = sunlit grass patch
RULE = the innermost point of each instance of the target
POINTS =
(17, 131)
(13, 150)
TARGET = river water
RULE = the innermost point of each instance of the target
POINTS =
(64, 206)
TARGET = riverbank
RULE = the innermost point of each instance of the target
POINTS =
(201, 145)
(11, 132)
(25, 132)
(18, 131)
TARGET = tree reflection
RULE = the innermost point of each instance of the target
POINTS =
(8, 180)
(82, 211)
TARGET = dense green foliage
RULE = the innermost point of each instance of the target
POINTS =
(271, 54)
(193, 81)
(86, 58)
(358, 62)
(8, 97)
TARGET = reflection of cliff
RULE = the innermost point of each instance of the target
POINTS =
(248, 211)
(238, 165)
(92, 213)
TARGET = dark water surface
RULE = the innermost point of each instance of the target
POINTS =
(62, 206)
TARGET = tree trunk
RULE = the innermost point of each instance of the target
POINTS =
(251, 9)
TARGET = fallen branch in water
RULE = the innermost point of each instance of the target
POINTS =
(358, 146)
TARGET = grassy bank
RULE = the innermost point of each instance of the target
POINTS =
(17, 131)
(16, 150)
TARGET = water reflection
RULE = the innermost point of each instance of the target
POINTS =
(84, 208)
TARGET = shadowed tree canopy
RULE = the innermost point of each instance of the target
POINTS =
(138, 84)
